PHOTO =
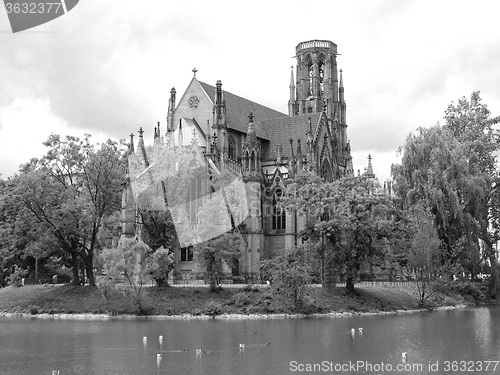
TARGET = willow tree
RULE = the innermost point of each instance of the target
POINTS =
(470, 122)
(437, 172)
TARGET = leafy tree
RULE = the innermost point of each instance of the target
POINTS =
(69, 191)
(356, 220)
(290, 274)
(424, 257)
(159, 264)
(128, 262)
(213, 254)
(470, 122)
(15, 278)
(437, 172)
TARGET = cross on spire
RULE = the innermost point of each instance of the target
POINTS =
(194, 71)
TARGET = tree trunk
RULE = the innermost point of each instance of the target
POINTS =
(349, 285)
(90, 270)
(75, 264)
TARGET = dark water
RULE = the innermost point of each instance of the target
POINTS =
(116, 347)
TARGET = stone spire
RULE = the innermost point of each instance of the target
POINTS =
(369, 170)
(131, 144)
(171, 108)
(140, 143)
(251, 136)
(291, 101)
(251, 152)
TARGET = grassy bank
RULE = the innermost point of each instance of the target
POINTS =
(177, 301)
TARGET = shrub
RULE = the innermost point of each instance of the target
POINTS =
(212, 309)
(34, 310)
(241, 299)
(15, 278)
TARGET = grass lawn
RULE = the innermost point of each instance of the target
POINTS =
(37, 299)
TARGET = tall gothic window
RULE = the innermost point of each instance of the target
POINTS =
(231, 150)
(321, 67)
(326, 171)
(278, 214)
(311, 75)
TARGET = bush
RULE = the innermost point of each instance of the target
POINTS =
(34, 310)
(247, 288)
(241, 299)
(16, 277)
(213, 309)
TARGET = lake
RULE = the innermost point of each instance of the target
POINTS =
(434, 342)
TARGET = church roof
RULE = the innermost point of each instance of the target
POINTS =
(238, 109)
(281, 129)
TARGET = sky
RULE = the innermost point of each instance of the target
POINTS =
(106, 67)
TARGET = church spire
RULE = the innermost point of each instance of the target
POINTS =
(131, 145)
(251, 136)
(251, 152)
(171, 108)
(291, 101)
(369, 170)
(341, 88)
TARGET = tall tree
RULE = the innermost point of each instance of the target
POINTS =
(436, 172)
(424, 253)
(69, 191)
(471, 124)
(356, 219)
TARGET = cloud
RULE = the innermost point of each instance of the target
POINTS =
(96, 75)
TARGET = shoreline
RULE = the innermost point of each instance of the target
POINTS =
(105, 317)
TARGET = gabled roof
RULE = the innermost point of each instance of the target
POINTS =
(281, 129)
(238, 109)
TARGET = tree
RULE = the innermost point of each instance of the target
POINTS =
(159, 264)
(213, 254)
(128, 261)
(69, 191)
(424, 256)
(355, 219)
(437, 172)
(471, 124)
(290, 274)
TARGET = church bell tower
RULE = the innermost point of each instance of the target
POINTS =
(317, 83)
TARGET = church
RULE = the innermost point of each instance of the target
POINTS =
(261, 146)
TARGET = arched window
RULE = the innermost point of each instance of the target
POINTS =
(326, 171)
(321, 67)
(231, 149)
(252, 161)
(278, 214)
(311, 75)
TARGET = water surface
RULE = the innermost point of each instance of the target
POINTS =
(276, 346)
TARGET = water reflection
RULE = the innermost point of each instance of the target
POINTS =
(117, 347)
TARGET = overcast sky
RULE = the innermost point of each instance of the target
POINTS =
(107, 67)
